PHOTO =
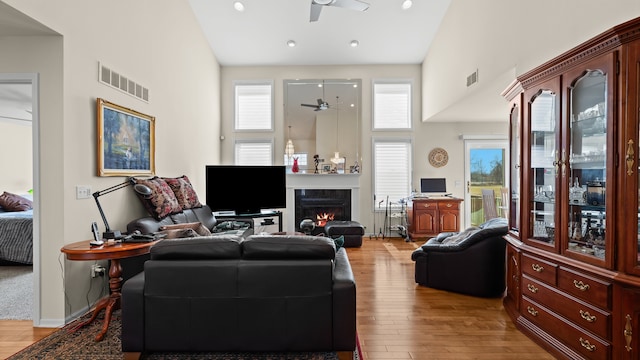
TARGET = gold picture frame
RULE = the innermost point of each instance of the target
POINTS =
(126, 141)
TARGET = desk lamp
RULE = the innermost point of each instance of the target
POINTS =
(143, 190)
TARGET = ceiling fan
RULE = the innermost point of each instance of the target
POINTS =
(316, 6)
(322, 105)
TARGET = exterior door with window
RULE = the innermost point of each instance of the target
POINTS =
(486, 167)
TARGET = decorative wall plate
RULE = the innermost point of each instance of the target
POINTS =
(438, 157)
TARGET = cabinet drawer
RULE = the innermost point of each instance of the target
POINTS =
(448, 205)
(585, 287)
(580, 340)
(432, 205)
(539, 269)
(580, 313)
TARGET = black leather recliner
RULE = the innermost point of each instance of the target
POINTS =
(469, 262)
(264, 293)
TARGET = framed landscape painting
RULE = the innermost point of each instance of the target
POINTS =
(126, 141)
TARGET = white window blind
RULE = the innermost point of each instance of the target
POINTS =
(253, 108)
(392, 105)
(392, 171)
(253, 153)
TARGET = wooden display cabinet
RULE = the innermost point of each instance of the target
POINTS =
(573, 255)
(428, 217)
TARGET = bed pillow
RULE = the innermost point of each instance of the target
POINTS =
(184, 192)
(13, 202)
(162, 202)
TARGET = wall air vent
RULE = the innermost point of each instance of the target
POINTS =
(111, 78)
(473, 78)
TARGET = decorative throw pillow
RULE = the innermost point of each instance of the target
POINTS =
(162, 201)
(13, 202)
(339, 241)
(184, 192)
(195, 226)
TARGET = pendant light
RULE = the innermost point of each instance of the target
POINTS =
(336, 159)
(289, 150)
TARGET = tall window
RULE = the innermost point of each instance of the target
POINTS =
(391, 105)
(253, 105)
(253, 152)
(392, 171)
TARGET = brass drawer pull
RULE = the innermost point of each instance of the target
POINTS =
(532, 288)
(580, 285)
(585, 315)
(532, 311)
(449, 205)
(587, 345)
(537, 268)
(427, 205)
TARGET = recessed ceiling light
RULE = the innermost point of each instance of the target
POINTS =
(291, 43)
(354, 43)
(406, 4)
(238, 6)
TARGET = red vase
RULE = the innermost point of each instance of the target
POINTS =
(295, 168)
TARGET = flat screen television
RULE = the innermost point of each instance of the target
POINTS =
(245, 189)
(433, 185)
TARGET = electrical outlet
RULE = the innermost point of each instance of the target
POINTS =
(97, 270)
(83, 192)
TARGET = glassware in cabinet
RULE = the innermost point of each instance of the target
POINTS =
(544, 160)
(587, 175)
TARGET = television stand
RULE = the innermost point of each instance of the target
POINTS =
(263, 222)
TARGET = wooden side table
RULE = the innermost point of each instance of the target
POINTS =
(83, 251)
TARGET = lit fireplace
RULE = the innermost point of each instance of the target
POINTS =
(322, 205)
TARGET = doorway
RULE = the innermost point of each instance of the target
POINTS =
(19, 99)
(485, 168)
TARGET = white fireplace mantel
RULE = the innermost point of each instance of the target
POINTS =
(321, 181)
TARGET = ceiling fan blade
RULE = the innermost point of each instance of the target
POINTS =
(315, 12)
(351, 4)
(309, 105)
(320, 102)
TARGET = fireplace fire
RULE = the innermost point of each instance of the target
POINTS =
(321, 219)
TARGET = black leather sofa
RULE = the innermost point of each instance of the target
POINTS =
(203, 215)
(222, 293)
(470, 262)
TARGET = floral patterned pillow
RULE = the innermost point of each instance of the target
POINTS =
(184, 192)
(162, 201)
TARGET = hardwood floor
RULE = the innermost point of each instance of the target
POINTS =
(396, 318)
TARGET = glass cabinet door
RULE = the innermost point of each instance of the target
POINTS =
(543, 167)
(513, 203)
(587, 175)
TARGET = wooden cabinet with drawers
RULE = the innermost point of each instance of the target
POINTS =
(427, 217)
(573, 254)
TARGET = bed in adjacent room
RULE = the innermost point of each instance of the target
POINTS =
(16, 229)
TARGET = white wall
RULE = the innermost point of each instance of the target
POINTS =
(500, 37)
(155, 43)
(16, 157)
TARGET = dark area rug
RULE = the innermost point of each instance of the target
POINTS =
(65, 345)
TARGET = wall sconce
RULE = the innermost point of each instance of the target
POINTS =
(143, 190)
